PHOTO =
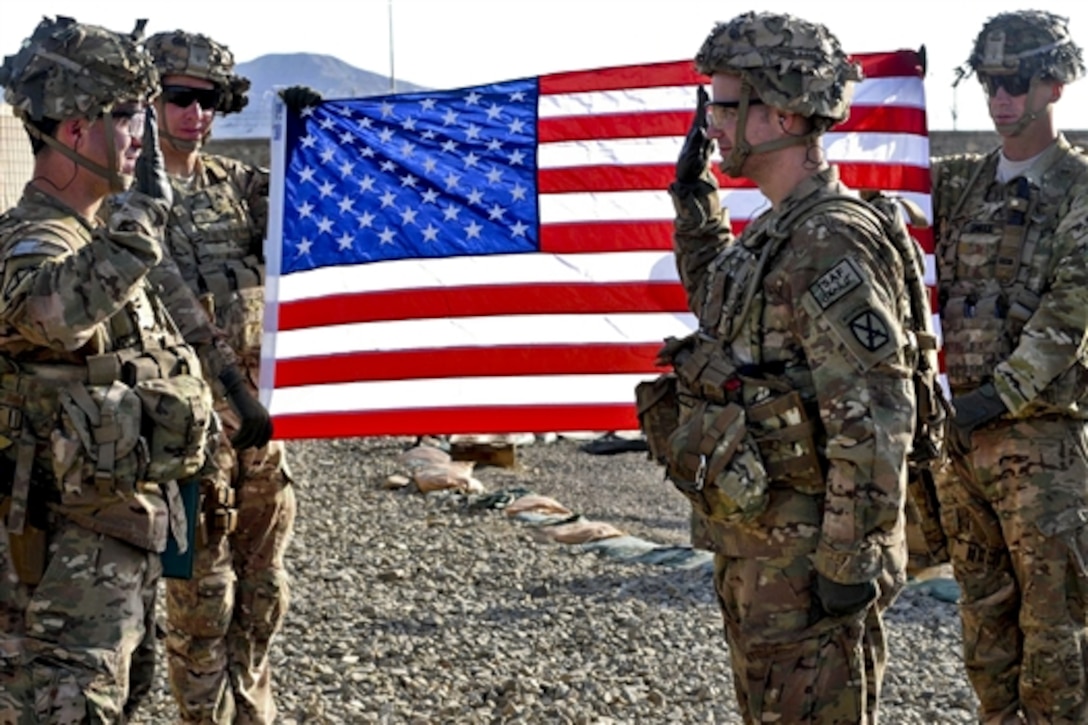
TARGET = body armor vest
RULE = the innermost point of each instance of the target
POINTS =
(211, 237)
(994, 256)
(92, 427)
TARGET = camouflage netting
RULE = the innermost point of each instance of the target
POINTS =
(1028, 43)
(791, 63)
(68, 69)
(198, 56)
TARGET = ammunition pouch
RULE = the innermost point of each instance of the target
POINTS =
(128, 438)
(237, 287)
(785, 435)
(715, 462)
(218, 515)
(177, 415)
(658, 414)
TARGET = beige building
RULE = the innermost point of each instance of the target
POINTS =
(16, 161)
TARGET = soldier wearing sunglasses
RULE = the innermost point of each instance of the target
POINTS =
(220, 623)
(1012, 254)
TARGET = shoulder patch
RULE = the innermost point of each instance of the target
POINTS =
(836, 283)
(870, 330)
(37, 247)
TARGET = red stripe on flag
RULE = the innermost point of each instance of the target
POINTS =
(884, 119)
(605, 236)
(483, 300)
(460, 362)
(423, 421)
(893, 63)
(649, 124)
(649, 75)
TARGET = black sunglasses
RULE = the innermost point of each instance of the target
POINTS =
(183, 96)
(1014, 85)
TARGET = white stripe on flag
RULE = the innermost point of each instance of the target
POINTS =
(456, 392)
(497, 269)
(506, 330)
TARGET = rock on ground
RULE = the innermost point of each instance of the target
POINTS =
(420, 609)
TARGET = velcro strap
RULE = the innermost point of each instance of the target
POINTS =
(20, 485)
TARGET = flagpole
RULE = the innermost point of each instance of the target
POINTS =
(392, 73)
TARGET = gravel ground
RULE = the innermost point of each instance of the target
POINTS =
(421, 609)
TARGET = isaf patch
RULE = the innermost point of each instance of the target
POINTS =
(870, 330)
(836, 283)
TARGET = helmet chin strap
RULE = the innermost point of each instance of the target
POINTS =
(111, 173)
(734, 163)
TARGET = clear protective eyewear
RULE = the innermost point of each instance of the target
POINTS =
(719, 114)
(131, 118)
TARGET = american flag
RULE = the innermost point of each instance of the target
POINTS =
(498, 258)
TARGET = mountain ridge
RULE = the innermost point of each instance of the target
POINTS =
(326, 74)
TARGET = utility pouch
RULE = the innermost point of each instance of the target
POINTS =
(715, 462)
(784, 433)
(177, 413)
(27, 549)
(97, 437)
(238, 289)
(658, 414)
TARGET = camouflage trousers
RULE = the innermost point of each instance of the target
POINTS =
(220, 624)
(791, 663)
(66, 644)
(1016, 516)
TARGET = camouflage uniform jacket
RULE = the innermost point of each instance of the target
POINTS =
(827, 317)
(1013, 279)
(72, 291)
(215, 236)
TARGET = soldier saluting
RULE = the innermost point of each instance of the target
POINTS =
(797, 393)
(104, 405)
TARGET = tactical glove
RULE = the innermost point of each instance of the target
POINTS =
(298, 97)
(151, 177)
(695, 155)
(974, 409)
(256, 428)
(843, 600)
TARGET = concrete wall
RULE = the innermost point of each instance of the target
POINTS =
(941, 143)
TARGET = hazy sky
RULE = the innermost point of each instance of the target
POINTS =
(451, 43)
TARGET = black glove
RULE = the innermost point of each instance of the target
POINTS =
(256, 428)
(298, 97)
(974, 409)
(843, 600)
(151, 177)
(695, 155)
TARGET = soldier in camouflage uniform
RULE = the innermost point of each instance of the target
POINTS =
(221, 623)
(104, 404)
(797, 399)
(1012, 251)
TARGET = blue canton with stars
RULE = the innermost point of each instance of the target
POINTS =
(428, 174)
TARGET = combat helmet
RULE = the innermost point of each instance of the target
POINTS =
(1028, 43)
(789, 63)
(792, 64)
(192, 54)
(68, 69)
